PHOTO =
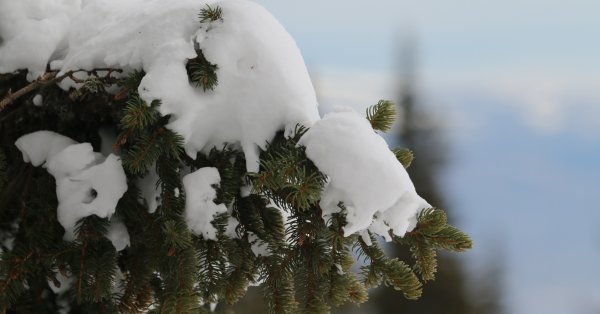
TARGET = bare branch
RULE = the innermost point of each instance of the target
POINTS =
(51, 78)
(47, 78)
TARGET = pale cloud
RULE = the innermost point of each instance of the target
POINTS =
(353, 88)
(548, 101)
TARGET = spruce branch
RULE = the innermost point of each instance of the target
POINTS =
(425, 260)
(433, 227)
(241, 270)
(13, 271)
(404, 155)
(452, 239)
(210, 14)
(142, 155)
(92, 85)
(129, 83)
(432, 232)
(3, 170)
(279, 290)
(399, 275)
(382, 115)
(176, 235)
(203, 73)
(211, 270)
(392, 272)
(137, 115)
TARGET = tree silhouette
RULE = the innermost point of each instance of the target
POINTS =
(450, 292)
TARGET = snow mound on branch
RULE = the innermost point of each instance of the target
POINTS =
(363, 174)
(263, 83)
(200, 209)
(87, 183)
(263, 86)
(149, 190)
(117, 234)
(33, 31)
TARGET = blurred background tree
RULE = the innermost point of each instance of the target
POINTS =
(453, 291)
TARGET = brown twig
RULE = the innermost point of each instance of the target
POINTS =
(47, 78)
(51, 78)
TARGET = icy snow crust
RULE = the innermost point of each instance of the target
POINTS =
(363, 173)
(87, 183)
(263, 87)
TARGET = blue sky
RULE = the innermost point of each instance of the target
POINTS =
(515, 86)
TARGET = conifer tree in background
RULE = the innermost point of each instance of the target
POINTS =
(447, 294)
(280, 240)
(451, 292)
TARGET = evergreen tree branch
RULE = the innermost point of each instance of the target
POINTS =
(279, 283)
(404, 155)
(391, 271)
(3, 170)
(210, 14)
(382, 115)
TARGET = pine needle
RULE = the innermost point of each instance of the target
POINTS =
(382, 115)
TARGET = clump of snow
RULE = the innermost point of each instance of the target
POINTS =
(263, 87)
(7, 237)
(149, 190)
(232, 224)
(258, 246)
(363, 174)
(200, 209)
(38, 101)
(118, 287)
(65, 283)
(41, 146)
(87, 183)
(33, 32)
(117, 234)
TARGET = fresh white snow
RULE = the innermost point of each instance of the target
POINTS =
(149, 190)
(263, 87)
(200, 209)
(363, 174)
(117, 234)
(86, 182)
(65, 283)
(33, 32)
(232, 224)
(41, 146)
(258, 246)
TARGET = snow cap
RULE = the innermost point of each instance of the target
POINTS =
(363, 174)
